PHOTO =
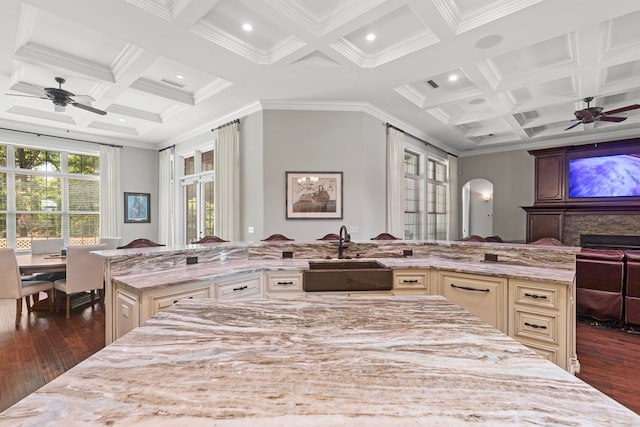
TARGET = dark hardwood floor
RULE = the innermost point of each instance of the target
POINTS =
(46, 345)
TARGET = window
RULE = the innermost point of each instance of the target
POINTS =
(48, 194)
(425, 195)
(437, 212)
(197, 185)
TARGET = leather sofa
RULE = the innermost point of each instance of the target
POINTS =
(600, 283)
(632, 295)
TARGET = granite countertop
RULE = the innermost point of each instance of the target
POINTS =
(218, 269)
(318, 361)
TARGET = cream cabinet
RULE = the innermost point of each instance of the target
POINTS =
(133, 309)
(241, 286)
(284, 284)
(542, 318)
(483, 296)
(411, 282)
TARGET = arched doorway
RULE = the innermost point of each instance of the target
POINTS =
(477, 208)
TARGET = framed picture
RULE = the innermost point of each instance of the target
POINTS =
(136, 207)
(314, 195)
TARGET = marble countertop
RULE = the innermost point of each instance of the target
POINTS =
(217, 269)
(318, 361)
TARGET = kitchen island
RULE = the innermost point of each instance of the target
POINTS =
(317, 361)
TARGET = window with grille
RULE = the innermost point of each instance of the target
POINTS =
(413, 196)
(437, 203)
(48, 194)
(198, 184)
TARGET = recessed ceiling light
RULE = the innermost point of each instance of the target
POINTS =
(453, 77)
(179, 76)
(371, 37)
(247, 27)
(122, 120)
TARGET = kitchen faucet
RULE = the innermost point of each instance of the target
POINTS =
(342, 239)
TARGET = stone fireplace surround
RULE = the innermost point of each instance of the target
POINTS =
(625, 226)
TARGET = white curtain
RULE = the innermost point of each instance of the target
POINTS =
(453, 198)
(395, 182)
(111, 203)
(166, 197)
(227, 183)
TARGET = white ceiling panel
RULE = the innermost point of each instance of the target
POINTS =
(523, 67)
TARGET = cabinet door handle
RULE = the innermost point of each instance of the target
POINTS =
(410, 281)
(536, 296)
(284, 283)
(534, 326)
(467, 288)
(240, 288)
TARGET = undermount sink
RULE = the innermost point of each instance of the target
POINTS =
(346, 275)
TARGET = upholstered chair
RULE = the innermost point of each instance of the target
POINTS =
(111, 242)
(385, 236)
(13, 287)
(277, 238)
(330, 237)
(85, 272)
(210, 239)
(140, 243)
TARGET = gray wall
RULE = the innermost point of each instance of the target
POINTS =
(139, 174)
(317, 141)
(251, 177)
(512, 175)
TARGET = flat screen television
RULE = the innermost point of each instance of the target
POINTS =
(615, 175)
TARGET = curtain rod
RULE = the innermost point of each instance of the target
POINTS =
(389, 125)
(60, 137)
(167, 148)
(226, 124)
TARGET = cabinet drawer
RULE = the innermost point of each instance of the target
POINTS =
(284, 282)
(485, 297)
(160, 302)
(551, 354)
(249, 287)
(410, 281)
(535, 296)
(538, 326)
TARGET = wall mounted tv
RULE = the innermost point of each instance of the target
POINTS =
(616, 175)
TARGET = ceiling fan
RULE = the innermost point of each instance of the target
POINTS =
(61, 98)
(591, 114)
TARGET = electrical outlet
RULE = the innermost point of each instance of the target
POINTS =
(287, 254)
(192, 260)
(250, 230)
(491, 257)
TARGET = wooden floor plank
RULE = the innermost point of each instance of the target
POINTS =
(47, 344)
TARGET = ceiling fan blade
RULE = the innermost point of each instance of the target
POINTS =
(623, 109)
(82, 99)
(611, 119)
(27, 96)
(573, 125)
(88, 108)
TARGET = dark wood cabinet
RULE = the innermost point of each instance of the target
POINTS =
(549, 177)
(544, 223)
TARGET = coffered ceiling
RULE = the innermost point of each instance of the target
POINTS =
(471, 76)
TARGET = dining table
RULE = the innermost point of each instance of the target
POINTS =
(41, 263)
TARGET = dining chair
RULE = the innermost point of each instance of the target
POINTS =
(277, 238)
(46, 246)
(13, 287)
(85, 272)
(330, 237)
(385, 236)
(111, 242)
(140, 243)
(210, 239)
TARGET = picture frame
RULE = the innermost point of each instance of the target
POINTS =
(314, 195)
(136, 207)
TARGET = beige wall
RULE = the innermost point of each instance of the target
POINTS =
(512, 174)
